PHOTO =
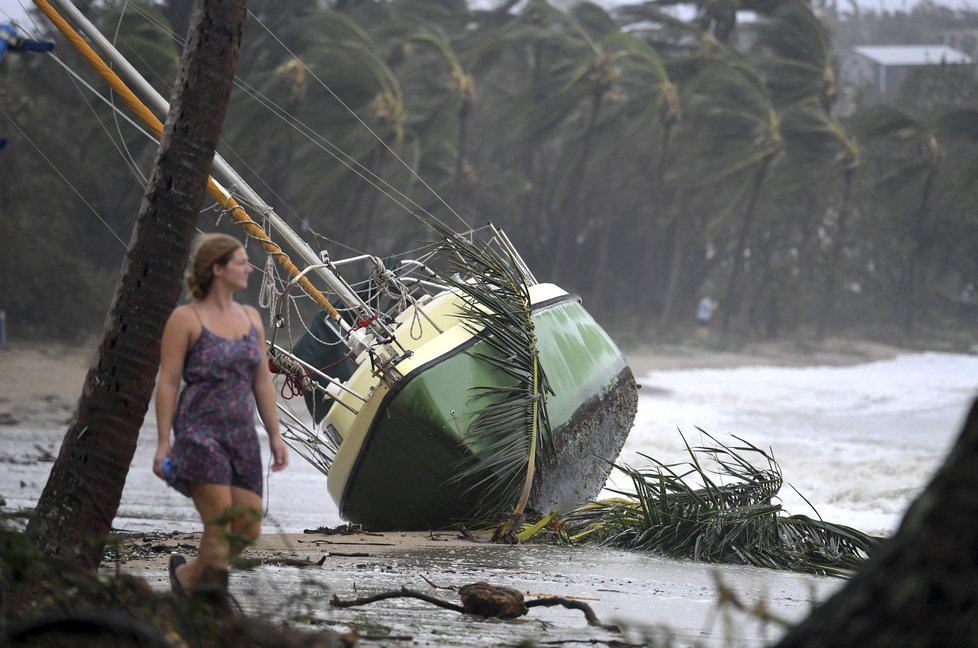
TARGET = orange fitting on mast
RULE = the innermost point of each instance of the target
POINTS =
(237, 212)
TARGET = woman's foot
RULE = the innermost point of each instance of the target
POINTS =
(176, 560)
(212, 591)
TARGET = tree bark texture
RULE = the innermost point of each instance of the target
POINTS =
(920, 588)
(81, 498)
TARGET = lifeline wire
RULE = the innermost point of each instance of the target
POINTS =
(323, 143)
(62, 176)
(349, 162)
(365, 125)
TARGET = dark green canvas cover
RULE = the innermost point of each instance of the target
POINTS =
(331, 358)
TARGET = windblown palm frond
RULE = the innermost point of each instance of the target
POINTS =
(740, 521)
(511, 431)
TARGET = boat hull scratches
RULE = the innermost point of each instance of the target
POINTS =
(402, 476)
(585, 447)
(402, 481)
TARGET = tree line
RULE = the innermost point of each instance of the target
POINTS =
(636, 158)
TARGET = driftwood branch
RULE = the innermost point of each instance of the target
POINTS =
(402, 593)
(482, 599)
(592, 619)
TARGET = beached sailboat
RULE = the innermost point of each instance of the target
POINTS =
(442, 388)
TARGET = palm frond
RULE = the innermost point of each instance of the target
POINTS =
(510, 433)
(682, 512)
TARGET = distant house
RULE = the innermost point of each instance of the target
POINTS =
(884, 67)
(963, 40)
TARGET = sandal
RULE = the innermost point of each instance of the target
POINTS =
(175, 561)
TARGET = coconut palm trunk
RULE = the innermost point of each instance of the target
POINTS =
(729, 305)
(81, 497)
(916, 265)
(831, 274)
(570, 212)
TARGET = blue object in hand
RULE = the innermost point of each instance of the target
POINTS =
(167, 468)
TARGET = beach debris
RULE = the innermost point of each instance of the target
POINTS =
(760, 610)
(726, 513)
(342, 529)
(358, 544)
(45, 455)
(492, 601)
(301, 563)
(434, 585)
(485, 600)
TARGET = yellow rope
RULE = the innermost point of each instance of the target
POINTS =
(237, 212)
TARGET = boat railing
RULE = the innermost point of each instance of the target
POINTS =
(311, 442)
(383, 350)
(312, 378)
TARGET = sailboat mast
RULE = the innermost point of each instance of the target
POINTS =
(225, 171)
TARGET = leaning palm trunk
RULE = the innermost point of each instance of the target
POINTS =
(916, 264)
(828, 293)
(735, 522)
(79, 502)
(729, 303)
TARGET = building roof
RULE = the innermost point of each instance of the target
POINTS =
(912, 54)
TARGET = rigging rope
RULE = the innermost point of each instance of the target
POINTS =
(227, 202)
(62, 176)
(366, 126)
(337, 153)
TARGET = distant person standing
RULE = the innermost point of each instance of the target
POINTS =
(704, 313)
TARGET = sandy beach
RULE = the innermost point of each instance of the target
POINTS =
(44, 382)
(39, 387)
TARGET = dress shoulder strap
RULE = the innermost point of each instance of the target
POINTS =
(197, 314)
(247, 315)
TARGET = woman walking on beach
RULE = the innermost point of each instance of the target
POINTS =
(217, 346)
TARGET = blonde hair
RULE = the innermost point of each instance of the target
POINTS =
(210, 250)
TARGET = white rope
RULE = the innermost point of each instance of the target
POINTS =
(267, 295)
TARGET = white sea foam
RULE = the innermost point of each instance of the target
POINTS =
(858, 442)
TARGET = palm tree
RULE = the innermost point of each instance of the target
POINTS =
(455, 93)
(795, 55)
(916, 163)
(75, 511)
(316, 151)
(651, 95)
(590, 74)
(737, 133)
(718, 18)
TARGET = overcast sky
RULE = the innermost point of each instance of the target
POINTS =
(13, 9)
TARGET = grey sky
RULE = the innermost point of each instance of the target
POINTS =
(14, 9)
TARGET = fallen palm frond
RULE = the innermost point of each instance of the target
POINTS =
(731, 517)
(511, 431)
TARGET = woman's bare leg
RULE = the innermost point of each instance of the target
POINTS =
(245, 520)
(212, 502)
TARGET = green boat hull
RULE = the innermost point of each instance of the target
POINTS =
(402, 476)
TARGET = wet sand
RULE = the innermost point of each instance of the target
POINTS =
(297, 573)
